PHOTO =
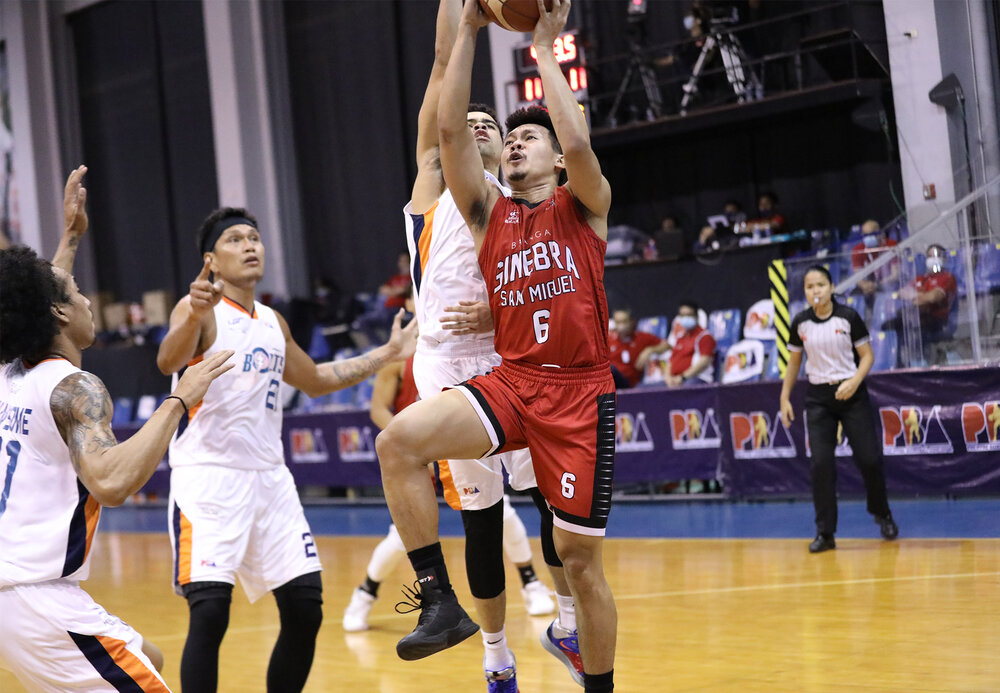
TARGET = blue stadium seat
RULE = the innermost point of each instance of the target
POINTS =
(657, 325)
(344, 398)
(363, 399)
(124, 409)
(771, 370)
(987, 274)
(856, 302)
(886, 348)
(744, 362)
(885, 308)
(319, 348)
(724, 326)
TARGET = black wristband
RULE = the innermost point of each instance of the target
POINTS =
(179, 400)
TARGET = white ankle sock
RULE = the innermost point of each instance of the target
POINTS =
(567, 612)
(498, 656)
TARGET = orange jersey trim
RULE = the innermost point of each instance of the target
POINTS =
(184, 553)
(451, 496)
(91, 513)
(240, 308)
(132, 665)
(424, 243)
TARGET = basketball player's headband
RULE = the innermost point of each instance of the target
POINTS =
(219, 228)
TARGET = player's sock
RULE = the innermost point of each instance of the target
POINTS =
(370, 586)
(428, 564)
(567, 612)
(527, 574)
(498, 657)
(300, 610)
(599, 683)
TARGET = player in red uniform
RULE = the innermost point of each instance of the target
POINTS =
(542, 255)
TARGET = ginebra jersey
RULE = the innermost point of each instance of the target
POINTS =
(47, 517)
(444, 269)
(544, 270)
(238, 423)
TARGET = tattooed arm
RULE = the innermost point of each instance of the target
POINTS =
(302, 372)
(110, 470)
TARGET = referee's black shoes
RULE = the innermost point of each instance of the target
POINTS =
(822, 542)
(888, 527)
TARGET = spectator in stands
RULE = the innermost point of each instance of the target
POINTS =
(669, 239)
(630, 349)
(734, 212)
(708, 241)
(768, 219)
(397, 287)
(694, 352)
(933, 293)
(873, 243)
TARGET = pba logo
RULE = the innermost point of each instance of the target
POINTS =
(308, 445)
(356, 444)
(632, 433)
(755, 436)
(692, 430)
(908, 431)
(981, 426)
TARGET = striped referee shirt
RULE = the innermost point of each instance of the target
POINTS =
(830, 344)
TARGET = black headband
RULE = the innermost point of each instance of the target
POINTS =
(218, 228)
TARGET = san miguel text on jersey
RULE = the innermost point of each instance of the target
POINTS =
(544, 267)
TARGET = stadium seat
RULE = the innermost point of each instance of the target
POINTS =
(886, 348)
(144, 408)
(123, 411)
(885, 308)
(363, 398)
(744, 362)
(319, 348)
(771, 370)
(987, 274)
(724, 326)
(658, 325)
(759, 323)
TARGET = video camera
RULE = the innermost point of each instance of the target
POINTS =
(716, 14)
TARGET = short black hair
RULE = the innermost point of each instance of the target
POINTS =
(488, 110)
(217, 216)
(822, 270)
(688, 303)
(534, 115)
(537, 115)
(28, 289)
(771, 195)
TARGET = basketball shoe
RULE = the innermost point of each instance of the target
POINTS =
(563, 644)
(442, 623)
(356, 613)
(503, 681)
(537, 598)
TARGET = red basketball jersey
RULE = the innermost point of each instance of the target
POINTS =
(544, 272)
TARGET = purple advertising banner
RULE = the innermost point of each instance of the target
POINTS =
(940, 433)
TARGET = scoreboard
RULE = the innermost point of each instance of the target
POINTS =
(569, 55)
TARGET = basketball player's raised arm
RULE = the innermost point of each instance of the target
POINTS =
(429, 183)
(303, 373)
(461, 162)
(75, 218)
(192, 324)
(110, 470)
(586, 182)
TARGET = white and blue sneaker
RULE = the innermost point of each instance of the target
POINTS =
(503, 681)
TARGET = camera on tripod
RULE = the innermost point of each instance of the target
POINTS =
(712, 15)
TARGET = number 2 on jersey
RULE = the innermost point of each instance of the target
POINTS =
(13, 450)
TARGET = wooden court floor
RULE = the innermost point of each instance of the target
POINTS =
(694, 615)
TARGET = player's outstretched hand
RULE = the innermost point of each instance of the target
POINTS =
(468, 317)
(402, 340)
(550, 23)
(193, 385)
(204, 294)
(75, 203)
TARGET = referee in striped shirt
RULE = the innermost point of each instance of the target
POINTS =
(840, 355)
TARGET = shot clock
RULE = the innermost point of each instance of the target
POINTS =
(569, 55)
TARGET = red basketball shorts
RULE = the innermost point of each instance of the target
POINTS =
(566, 418)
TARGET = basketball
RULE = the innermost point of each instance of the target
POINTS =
(513, 15)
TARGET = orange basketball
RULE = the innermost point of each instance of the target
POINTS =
(513, 15)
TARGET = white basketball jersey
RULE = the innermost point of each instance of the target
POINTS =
(47, 517)
(445, 271)
(238, 423)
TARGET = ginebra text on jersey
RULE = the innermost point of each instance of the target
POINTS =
(540, 256)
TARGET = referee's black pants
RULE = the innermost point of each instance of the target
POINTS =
(823, 412)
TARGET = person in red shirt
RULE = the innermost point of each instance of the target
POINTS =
(692, 355)
(630, 349)
(873, 243)
(933, 293)
(397, 287)
(541, 253)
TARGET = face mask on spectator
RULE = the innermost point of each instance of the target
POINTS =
(688, 22)
(687, 321)
(934, 266)
(871, 240)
